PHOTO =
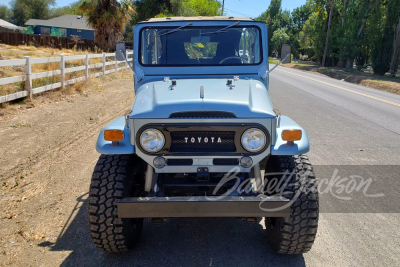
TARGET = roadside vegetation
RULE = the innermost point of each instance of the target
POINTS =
(345, 33)
(363, 77)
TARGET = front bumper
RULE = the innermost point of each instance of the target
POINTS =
(202, 206)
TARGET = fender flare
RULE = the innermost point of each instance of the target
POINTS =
(281, 147)
(123, 147)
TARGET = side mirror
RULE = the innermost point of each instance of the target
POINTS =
(120, 48)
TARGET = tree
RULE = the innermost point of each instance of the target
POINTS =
(72, 9)
(300, 15)
(327, 34)
(279, 38)
(394, 62)
(383, 33)
(108, 19)
(273, 20)
(4, 13)
(199, 8)
(23, 10)
(146, 9)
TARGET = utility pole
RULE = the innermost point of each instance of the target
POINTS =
(327, 35)
(223, 3)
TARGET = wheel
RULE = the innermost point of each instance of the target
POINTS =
(115, 177)
(295, 234)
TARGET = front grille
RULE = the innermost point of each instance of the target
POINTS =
(203, 141)
(225, 161)
(202, 115)
(177, 162)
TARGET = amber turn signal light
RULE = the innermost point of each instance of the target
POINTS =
(113, 135)
(291, 135)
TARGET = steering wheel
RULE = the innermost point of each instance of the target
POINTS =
(225, 59)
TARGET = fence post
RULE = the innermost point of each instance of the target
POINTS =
(28, 75)
(62, 68)
(116, 64)
(104, 63)
(126, 56)
(87, 66)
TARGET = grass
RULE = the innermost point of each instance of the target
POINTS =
(273, 61)
(45, 81)
(383, 83)
(19, 52)
(18, 125)
(308, 64)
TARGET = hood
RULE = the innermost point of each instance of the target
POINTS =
(247, 98)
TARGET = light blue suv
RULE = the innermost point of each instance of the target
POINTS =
(202, 139)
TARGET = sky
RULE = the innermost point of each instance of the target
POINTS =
(238, 8)
(253, 8)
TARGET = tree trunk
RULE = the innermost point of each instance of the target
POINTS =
(395, 56)
(364, 18)
(327, 35)
(344, 12)
(349, 64)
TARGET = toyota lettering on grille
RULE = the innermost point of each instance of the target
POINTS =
(204, 140)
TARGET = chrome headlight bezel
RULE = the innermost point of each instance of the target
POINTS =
(245, 136)
(158, 146)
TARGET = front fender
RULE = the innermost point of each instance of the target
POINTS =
(281, 147)
(123, 147)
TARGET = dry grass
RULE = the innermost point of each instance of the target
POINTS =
(18, 52)
(383, 83)
(85, 88)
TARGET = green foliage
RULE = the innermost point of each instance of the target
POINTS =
(199, 50)
(108, 19)
(382, 34)
(279, 38)
(4, 13)
(23, 10)
(72, 9)
(146, 9)
(199, 8)
(362, 31)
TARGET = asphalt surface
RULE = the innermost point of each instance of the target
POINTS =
(347, 125)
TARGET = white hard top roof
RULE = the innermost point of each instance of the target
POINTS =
(198, 19)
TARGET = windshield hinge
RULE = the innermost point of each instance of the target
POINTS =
(262, 72)
(139, 74)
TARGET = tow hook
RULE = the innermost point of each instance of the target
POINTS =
(203, 174)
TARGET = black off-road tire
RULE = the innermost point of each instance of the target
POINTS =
(295, 234)
(115, 177)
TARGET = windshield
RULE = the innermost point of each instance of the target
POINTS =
(205, 46)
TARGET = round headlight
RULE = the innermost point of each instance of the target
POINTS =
(152, 140)
(253, 140)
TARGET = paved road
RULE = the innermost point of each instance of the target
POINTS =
(342, 119)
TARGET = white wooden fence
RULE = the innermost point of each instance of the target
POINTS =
(29, 76)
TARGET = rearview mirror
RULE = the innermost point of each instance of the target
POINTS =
(120, 48)
(200, 39)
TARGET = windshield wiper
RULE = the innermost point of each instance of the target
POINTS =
(177, 29)
(223, 29)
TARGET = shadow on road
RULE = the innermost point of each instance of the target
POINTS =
(177, 242)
